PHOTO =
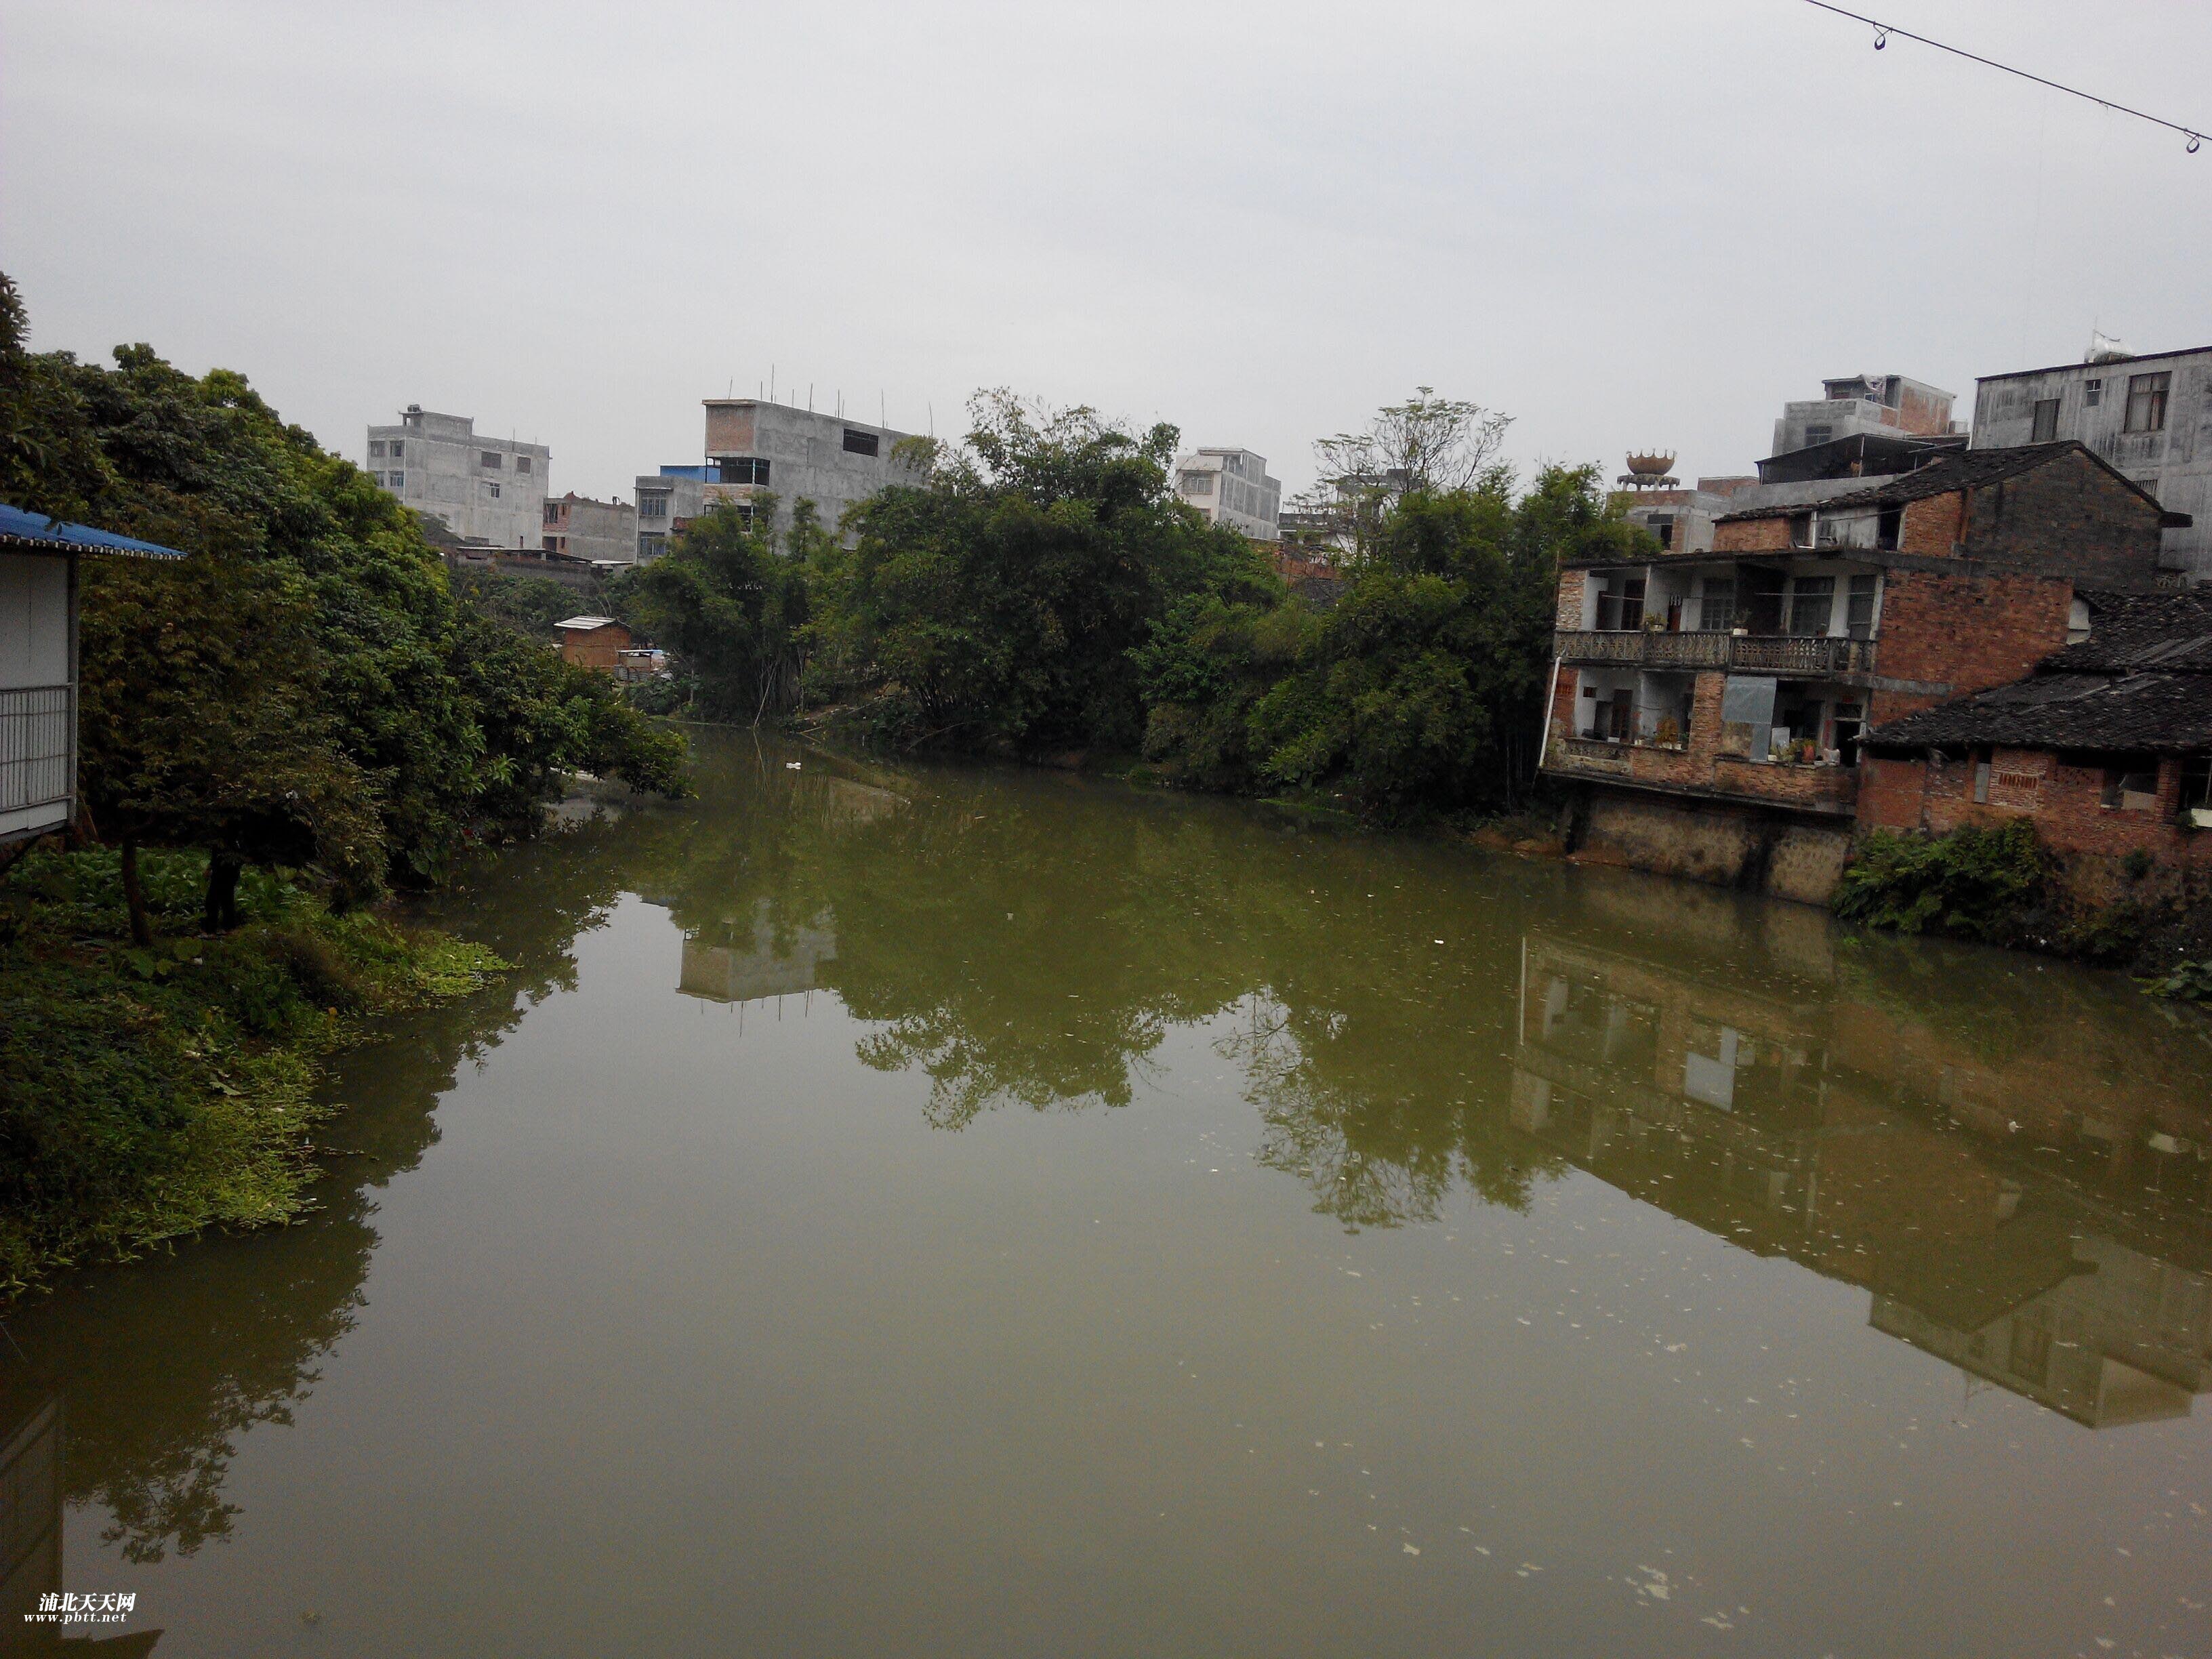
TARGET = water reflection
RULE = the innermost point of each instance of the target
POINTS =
(2010, 1160)
(2032, 1212)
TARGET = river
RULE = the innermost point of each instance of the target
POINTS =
(908, 1210)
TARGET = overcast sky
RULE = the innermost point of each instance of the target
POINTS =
(1621, 221)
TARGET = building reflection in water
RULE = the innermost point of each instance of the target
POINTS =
(2035, 1215)
(31, 1498)
(757, 961)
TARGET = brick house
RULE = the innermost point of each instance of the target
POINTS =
(2108, 746)
(592, 642)
(1708, 706)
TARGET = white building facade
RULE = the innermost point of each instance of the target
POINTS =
(1231, 487)
(485, 489)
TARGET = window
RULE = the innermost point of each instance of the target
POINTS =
(1888, 526)
(1717, 606)
(2046, 421)
(651, 547)
(1198, 483)
(2092, 393)
(1981, 777)
(522, 463)
(1662, 526)
(488, 458)
(860, 443)
(1620, 604)
(2146, 402)
(494, 490)
(1812, 603)
(396, 480)
(2131, 785)
(2196, 782)
(742, 470)
(1859, 618)
(552, 512)
(652, 505)
(1818, 434)
(549, 544)
(1801, 530)
(375, 449)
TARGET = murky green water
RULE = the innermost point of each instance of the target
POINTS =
(951, 1213)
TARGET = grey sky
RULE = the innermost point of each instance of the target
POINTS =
(1620, 221)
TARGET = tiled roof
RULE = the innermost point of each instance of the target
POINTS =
(1967, 469)
(2169, 633)
(2132, 712)
(21, 529)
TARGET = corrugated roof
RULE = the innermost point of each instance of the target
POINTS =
(586, 625)
(19, 528)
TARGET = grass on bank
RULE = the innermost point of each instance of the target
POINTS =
(145, 1094)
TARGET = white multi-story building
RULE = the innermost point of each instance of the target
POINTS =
(2150, 417)
(758, 447)
(1231, 487)
(485, 489)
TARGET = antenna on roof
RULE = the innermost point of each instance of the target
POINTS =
(771, 383)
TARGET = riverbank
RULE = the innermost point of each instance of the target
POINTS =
(148, 1093)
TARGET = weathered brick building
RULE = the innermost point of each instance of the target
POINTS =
(1708, 706)
(2107, 747)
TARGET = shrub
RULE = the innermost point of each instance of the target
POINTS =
(2189, 981)
(1974, 883)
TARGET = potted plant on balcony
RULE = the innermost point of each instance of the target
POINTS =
(1667, 734)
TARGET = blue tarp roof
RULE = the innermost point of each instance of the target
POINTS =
(17, 526)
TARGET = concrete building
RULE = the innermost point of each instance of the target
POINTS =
(758, 447)
(486, 489)
(39, 665)
(667, 500)
(1886, 404)
(597, 533)
(1708, 703)
(2150, 417)
(1231, 487)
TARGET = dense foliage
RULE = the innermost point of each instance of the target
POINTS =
(996, 604)
(1975, 883)
(304, 688)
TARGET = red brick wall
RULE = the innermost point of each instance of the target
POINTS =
(2066, 803)
(1932, 528)
(1753, 536)
(1965, 630)
(597, 649)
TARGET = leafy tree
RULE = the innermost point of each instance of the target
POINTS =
(203, 723)
(1426, 445)
(529, 605)
(48, 461)
(728, 607)
(996, 604)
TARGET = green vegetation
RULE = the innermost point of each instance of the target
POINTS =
(2185, 981)
(305, 691)
(528, 605)
(148, 1090)
(1042, 591)
(1974, 883)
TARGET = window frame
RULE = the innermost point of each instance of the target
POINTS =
(2148, 394)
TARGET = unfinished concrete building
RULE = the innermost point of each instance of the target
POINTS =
(759, 447)
(1231, 487)
(488, 490)
(597, 533)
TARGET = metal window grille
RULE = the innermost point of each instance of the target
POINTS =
(38, 745)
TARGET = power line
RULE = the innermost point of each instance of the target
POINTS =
(1883, 31)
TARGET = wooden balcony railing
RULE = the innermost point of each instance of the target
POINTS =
(1757, 653)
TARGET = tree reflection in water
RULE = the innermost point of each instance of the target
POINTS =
(2016, 1175)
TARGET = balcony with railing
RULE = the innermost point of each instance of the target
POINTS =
(1752, 653)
